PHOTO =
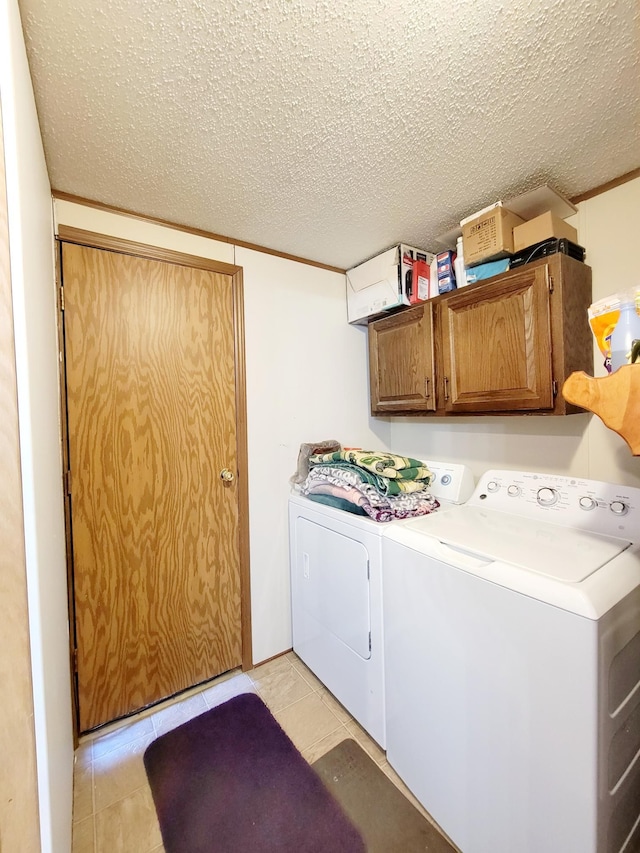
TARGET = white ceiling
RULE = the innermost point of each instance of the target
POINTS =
(326, 129)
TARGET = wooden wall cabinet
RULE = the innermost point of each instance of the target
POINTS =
(502, 346)
(401, 361)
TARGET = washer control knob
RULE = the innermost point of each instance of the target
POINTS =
(513, 491)
(618, 507)
(492, 486)
(547, 496)
(445, 479)
(587, 503)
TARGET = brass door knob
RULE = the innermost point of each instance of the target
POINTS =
(226, 475)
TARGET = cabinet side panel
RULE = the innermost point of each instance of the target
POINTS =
(572, 338)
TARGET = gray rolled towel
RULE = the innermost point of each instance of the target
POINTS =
(307, 450)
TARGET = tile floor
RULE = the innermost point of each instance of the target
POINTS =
(113, 807)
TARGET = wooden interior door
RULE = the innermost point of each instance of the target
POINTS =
(151, 400)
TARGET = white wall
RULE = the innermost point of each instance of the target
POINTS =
(307, 380)
(131, 228)
(578, 445)
(609, 227)
(34, 309)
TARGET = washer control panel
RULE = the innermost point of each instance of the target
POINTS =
(451, 481)
(606, 508)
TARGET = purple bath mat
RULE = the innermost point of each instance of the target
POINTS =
(231, 781)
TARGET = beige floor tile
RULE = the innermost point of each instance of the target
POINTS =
(122, 735)
(321, 747)
(397, 781)
(129, 825)
(205, 685)
(225, 690)
(367, 743)
(112, 800)
(332, 703)
(391, 773)
(307, 721)
(294, 660)
(308, 676)
(82, 790)
(280, 664)
(116, 725)
(83, 755)
(282, 688)
(119, 773)
(82, 840)
(178, 713)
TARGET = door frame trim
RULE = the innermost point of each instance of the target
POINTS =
(67, 234)
(94, 240)
(64, 435)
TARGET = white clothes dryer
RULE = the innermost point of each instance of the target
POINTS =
(512, 655)
(336, 596)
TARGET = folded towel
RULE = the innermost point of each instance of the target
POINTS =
(338, 503)
(306, 451)
(347, 493)
(352, 474)
(378, 462)
(349, 477)
(352, 500)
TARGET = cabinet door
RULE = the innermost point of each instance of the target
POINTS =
(497, 345)
(401, 362)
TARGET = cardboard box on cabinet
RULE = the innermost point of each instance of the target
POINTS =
(541, 228)
(489, 236)
(382, 282)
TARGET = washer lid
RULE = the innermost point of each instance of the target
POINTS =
(560, 553)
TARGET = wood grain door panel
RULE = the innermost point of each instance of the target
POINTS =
(497, 346)
(401, 360)
(149, 352)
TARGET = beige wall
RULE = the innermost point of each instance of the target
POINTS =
(306, 381)
(609, 227)
(130, 228)
(34, 322)
(577, 445)
(19, 817)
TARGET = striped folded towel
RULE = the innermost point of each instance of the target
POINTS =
(378, 462)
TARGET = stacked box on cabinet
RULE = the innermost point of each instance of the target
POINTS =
(383, 282)
(488, 236)
(543, 227)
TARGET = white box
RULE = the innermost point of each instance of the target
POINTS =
(380, 283)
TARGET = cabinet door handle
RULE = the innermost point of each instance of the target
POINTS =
(446, 387)
(427, 393)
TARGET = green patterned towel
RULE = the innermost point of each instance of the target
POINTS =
(379, 463)
(354, 475)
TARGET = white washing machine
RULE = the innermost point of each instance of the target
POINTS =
(336, 596)
(512, 654)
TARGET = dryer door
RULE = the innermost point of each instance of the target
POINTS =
(332, 584)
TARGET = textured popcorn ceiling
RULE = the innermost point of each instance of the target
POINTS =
(331, 130)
